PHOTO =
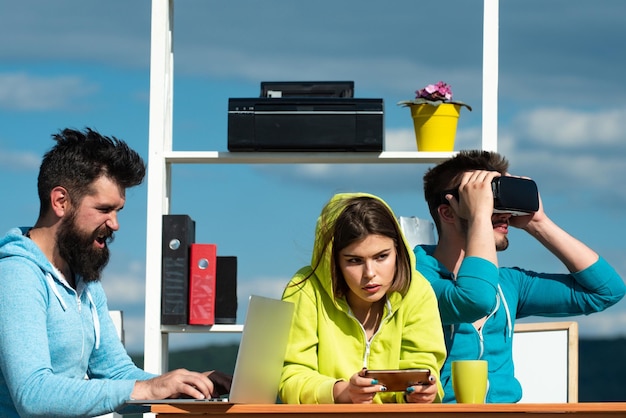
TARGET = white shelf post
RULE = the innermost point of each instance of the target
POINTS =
(160, 141)
(490, 75)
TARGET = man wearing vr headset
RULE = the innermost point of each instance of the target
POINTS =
(473, 202)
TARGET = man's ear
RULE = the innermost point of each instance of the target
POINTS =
(59, 201)
(446, 214)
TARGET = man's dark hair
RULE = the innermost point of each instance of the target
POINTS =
(447, 175)
(80, 158)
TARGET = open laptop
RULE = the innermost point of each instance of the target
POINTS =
(260, 357)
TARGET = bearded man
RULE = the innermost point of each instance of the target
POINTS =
(59, 351)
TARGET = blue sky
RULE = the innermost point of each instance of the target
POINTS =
(562, 117)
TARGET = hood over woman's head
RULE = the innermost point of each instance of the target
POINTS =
(349, 218)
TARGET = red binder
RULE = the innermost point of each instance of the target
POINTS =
(202, 284)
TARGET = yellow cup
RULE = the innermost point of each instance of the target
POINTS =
(469, 380)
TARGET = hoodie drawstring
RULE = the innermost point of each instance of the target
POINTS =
(52, 286)
(96, 318)
(509, 324)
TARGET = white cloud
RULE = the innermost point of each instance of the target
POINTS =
(124, 284)
(609, 324)
(24, 92)
(566, 128)
(400, 140)
(581, 177)
(128, 287)
(19, 160)
(262, 286)
(113, 33)
(470, 138)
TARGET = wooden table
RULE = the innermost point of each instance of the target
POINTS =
(578, 410)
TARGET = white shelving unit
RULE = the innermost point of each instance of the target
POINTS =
(161, 157)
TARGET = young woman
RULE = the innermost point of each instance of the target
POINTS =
(360, 305)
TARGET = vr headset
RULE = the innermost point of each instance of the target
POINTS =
(513, 195)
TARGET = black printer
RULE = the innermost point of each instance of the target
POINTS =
(305, 116)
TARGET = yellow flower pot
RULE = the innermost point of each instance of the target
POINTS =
(435, 126)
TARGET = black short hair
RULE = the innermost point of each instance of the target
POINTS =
(447, 175)
(81, 157)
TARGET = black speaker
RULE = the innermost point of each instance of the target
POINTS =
(226, 290)
(179, 232)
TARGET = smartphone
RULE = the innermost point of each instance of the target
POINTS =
(399, 380)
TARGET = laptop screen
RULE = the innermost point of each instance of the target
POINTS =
(261, 351)
(260, 356)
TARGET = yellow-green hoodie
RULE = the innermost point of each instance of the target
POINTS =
(327, 343)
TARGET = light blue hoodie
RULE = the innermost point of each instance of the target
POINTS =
(52, 337)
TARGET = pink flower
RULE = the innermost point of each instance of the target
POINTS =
(434, 95)
(439, 91)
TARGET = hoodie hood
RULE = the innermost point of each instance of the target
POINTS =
(322, 257)
(424, 256)
(16, 244)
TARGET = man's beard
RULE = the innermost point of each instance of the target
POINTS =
(77, 249)
(503, 244)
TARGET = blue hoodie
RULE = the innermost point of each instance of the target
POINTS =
(53, 337)
(504, 294)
